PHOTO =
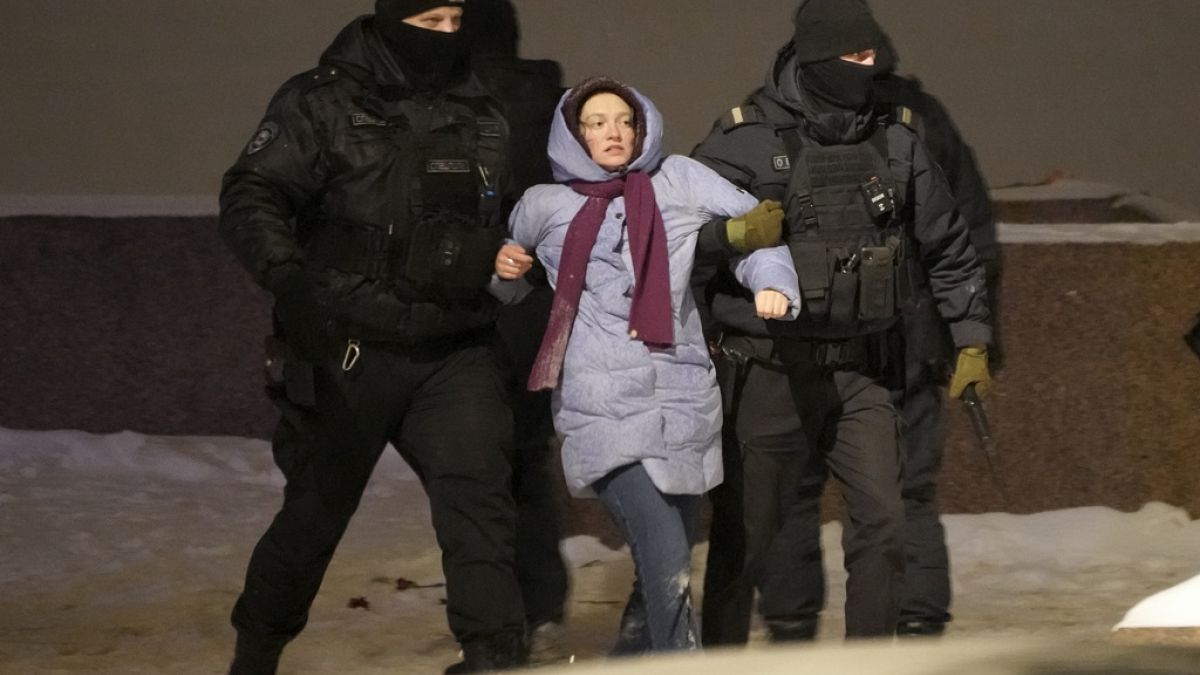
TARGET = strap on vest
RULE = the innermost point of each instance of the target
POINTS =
(803, 201)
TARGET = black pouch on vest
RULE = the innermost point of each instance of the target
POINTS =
(877, 283)
(842, 297)
(449, 252)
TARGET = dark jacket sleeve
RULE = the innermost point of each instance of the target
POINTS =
(729, 154)
(719, 152)
(277, 174)
(947, 148)
(956, 277)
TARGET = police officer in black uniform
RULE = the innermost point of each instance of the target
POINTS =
(865, 204)
(369, 204)
(528, 90)
(925, 604)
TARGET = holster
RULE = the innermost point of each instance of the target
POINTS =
(287, 375)
(736, 355)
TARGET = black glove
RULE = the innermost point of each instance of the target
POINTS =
(306, 323)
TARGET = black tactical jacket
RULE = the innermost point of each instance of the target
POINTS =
(906, 100)
(329, 157)
(746, 149)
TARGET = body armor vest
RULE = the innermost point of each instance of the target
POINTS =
(443, 184)
(845, 230)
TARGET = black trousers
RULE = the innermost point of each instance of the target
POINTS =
(444, 408)
(792, 429)
(541, 570)
(927, 592)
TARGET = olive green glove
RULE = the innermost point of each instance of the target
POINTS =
(760, 227)
(972, 368)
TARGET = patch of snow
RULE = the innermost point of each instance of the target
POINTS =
(1147, 234)
(124, 553)
(108, 206)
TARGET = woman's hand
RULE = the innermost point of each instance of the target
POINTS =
(771, 304)
(512, 262)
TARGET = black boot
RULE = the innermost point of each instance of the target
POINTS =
(797, 630)
(910, 628)
(254, 659)
(496, 653)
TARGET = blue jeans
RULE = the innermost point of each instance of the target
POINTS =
(660, 530)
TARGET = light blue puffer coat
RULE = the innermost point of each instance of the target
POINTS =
(620, 402)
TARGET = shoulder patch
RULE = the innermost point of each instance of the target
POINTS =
(904, 115)
(266, 133)
(738, 116)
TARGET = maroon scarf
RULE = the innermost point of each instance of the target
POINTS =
(650, 316)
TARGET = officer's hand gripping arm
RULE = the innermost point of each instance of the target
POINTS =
(759, 227)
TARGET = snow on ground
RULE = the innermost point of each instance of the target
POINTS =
(1142, 234)
(124, 553)
(1176, 607)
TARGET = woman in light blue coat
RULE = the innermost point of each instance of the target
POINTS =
(635, 398)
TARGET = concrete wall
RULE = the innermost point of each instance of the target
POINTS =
(148, 324)
(155, 97)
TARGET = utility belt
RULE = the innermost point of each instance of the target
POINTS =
(865, 353)
(734, 355)
(872, 353)
(880, 355)
(424, 349)
(744, 349)
(444, 251)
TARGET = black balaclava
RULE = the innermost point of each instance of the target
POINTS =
(492, 30)
(825, 31)
(841, 84)
(431, 60)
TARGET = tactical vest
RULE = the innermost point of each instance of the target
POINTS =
(845, 227)
(443, 182)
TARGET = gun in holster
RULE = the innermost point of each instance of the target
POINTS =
(733, 355)
(287, 375)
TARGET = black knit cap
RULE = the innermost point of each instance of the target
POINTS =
(390, 12)
(827, 29)
(580, 94)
